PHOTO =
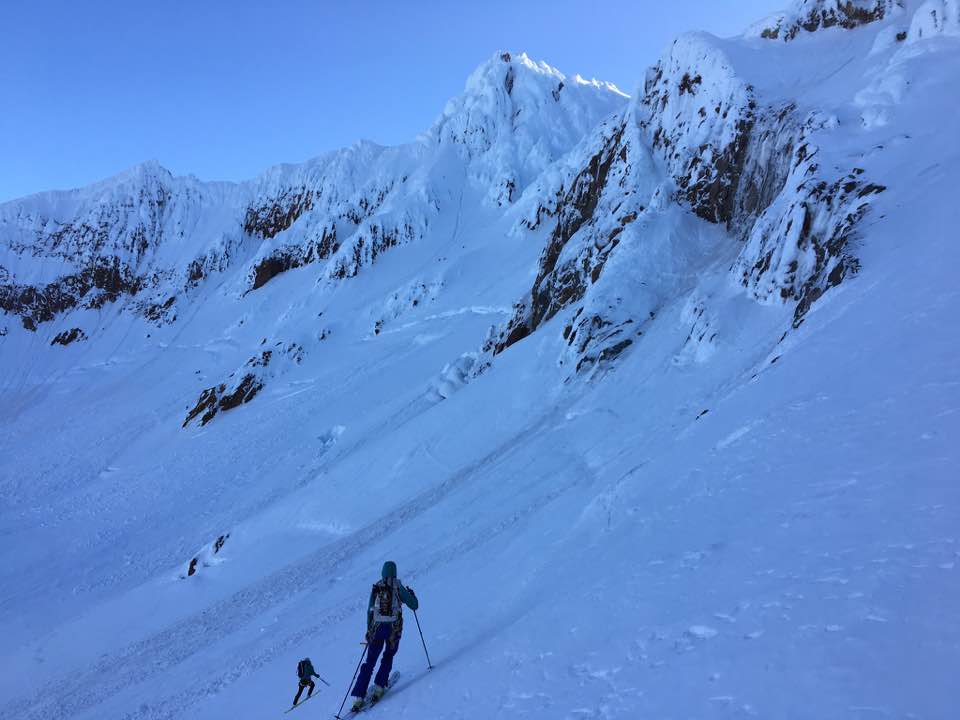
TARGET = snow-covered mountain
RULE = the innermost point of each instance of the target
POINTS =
(653, 399)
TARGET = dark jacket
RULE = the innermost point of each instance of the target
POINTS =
(305, 669)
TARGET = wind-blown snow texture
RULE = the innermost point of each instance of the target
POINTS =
(654, 401)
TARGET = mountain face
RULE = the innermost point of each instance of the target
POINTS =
(652, 398)
(150, 237)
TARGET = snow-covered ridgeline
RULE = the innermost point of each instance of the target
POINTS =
(143, 233)
(701, 133)
(148, 234)
(736, 513)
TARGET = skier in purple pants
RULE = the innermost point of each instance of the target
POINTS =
(384, 627)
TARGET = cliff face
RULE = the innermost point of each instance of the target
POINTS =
(748, 153)
(146, 236)
(716, 133)
(696, 347)
(809, 16)
(87, 248)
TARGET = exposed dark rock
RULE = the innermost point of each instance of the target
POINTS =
(765, 164)
(288, 258)
(276, 214)
(780, 164)
(218, 543)
(759, 184)
(597, 341)
(509, 187)
(244, 385)
(827, 214)
(68, 336)
(543, 211)
(367, 244)
(707, 175)
(830, 239)
(751, 169)
(206, 404)
(216, 399)
(689, 84)
(160, 312)
(324, 244)
(245, 391)
(814, 15)
(556, 287)
(212, 261)
(195, 272)
(103, 281)
(127, 228)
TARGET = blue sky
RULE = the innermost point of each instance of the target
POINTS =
(224, 89)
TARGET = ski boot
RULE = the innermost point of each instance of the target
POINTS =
(377, 693)
(358, 704)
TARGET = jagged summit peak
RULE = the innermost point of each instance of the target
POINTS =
(143, 169)
(516, 116)
(509, 88)
(499, 64)
(599, 84)
(506, 64)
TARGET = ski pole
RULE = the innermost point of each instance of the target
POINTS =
(323, 681)
(429, 664)
(362, 652)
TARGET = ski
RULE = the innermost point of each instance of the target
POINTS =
(369, 701)
(294, 707)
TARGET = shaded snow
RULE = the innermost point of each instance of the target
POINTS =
(735, 518)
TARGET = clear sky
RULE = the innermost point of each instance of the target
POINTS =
(225, 88)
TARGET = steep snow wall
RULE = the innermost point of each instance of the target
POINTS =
(659, 499)
(703, 135)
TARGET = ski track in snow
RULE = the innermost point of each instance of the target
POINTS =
(731, 512)
(141, 661)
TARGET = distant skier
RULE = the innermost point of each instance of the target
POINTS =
(306, 674)
(384, 627)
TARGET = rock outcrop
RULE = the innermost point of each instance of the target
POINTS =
(813, 15)
(727, 157)
(245, 383)
(68, 336)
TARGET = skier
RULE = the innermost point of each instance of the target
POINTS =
(306, 674)
(384, 627)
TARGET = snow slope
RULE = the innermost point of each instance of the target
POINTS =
(655, 409)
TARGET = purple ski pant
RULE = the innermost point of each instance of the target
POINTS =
(379, 643)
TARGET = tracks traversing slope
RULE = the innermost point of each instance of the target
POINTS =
(144, 660)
